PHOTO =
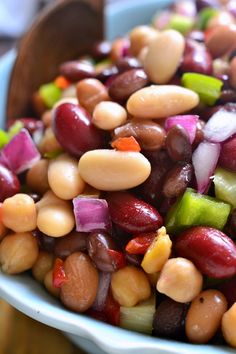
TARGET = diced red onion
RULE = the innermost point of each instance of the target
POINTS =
(20, 153)
(220, 126)
(103, 288)
(188, 122)
(205, 159)
(91, 214)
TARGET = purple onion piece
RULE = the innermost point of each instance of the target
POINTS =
(91, 214)
(188, 122)
(20, 153)
(220, 126)
(103, 288)
(205, 159)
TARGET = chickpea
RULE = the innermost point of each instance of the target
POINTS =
(48, 283)
(109, 115)
(229, 326)
(55, 220)
(140, 37)
(204, 316)
(180, 280)
(50, 198)
(49, 142)
(42, 266)
(64, 178)
(18, 252)
(130, 285)
(19, 213)
(37, 177)
(47, 118)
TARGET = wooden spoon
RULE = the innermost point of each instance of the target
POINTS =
(62, 31)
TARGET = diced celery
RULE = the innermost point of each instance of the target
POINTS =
(15, 128)
(140, 317)
(4, 138)
(225, 185)
(204, 16)
(207, 87)
(50, 94)
(196, 209)
(181, 23)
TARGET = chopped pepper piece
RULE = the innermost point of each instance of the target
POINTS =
(126, 144)
(225, 185)
(50, 93)
(58, 275)
(194, 209)
(62, 82)
(181, 23)
(140, 244)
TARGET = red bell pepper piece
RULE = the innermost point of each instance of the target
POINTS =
(140, 244)
(58, 275)
(126, 144)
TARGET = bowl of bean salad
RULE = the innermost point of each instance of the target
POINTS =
(117, 204)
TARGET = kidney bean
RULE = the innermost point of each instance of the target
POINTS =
(127, 63)
(223, 34)
(77, 70)
(73, 242)
(211, 250)
(98, 245)
(227, 96)
(150, 135)
(204, 316)
(90, 92)
(162, 101)
(132, 214)
(79, 291)
(232, 73)
(45, 242)
(101, 50)
(169, 44)
(68, 121)
(119, 48)
(127, 83)
(112, 170)
(178, 145)
(107, 73)
(227, 157)
(169, 319)
(177, 180)
(10, 183)
(140, 37)
(197, 60)
(133, 259)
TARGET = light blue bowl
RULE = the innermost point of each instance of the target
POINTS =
(29, 297)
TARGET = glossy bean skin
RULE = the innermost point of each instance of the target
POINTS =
(227, 157)
(177, 180)
(223, 34)
(150, 135)
(198, 60)
(132, 214)
(68, 121)
(101, 49)
(77, 70)
(79, 291)
(10, 183)
(204, 316)
(211, 250)
(98, 244)
(127, 83)
(73, 242)
(169, 319)
(127, 63)
(178, 144)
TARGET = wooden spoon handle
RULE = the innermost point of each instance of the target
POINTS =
(63, 31)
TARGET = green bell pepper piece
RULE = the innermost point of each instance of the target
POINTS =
(204, 16)
(50, 94)
(225, 186)
(180, 23)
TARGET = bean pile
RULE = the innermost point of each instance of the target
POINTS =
(122, 198)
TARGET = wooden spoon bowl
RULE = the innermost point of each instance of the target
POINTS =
(62, 31)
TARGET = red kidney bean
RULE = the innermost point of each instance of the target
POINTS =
(46, 243)
(159, 157)
(101, 50)
(150, 135)
(98, 245)
(10, 183)
(73, 242)
(127, 83)
(227, 96)
(178, 145)
(132, 214)
(133, 259)
(209, 249)
(177, 180)
(169, 319)
(127, 63)
(69, 121)
(197, 60)
(77, 70)
(107, 73)
(227, 157)
(228, 288)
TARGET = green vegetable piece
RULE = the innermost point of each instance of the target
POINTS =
(207, 87)
(180, 23)
(194, 209)
(225, 186)
(15, 129)
(50, 94)
(52, 154)
(4, 138)
(138, 318)
(205, 15)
